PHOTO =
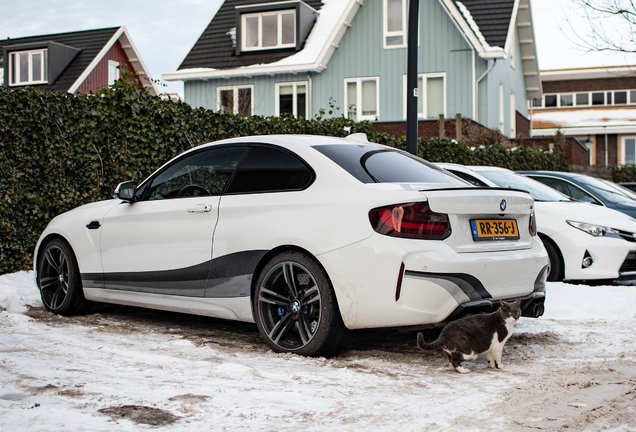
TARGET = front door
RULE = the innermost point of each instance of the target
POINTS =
(163, 242)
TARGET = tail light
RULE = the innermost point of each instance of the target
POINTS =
(532, 224)
(413, 220)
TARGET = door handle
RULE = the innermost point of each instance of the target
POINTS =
(200, 208)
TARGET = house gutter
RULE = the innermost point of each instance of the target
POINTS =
(310, 92)
(494, 62)
(531, 113)
(474, 72)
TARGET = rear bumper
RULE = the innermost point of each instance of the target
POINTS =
(437, 284)
(532, 306)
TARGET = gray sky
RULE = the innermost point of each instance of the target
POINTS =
(163, 31)
(555, 23)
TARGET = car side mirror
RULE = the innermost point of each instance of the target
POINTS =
(126, 191)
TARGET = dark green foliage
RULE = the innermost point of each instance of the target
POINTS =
(58, 151)
(626, 173)
(516, 158)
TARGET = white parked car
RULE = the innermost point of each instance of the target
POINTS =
(584, 241)
(306, 236)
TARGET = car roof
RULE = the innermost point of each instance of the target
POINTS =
(478, 168)
(555, 173)
(293, 140)
(290, 142)
(468, 170)
(471, 167)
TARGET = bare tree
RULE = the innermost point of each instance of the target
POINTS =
(610, 25)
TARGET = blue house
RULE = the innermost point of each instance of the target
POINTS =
(476, 58)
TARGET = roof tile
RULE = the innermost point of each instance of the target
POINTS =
(90, 42)
(492, 17)
(215, 49)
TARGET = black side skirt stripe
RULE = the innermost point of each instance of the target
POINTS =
(231, 275)
(226, 276)
(470, 285)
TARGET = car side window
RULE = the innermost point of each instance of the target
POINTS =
(203, 173)
(581, 195)
(268, 169)
(568, 189)
(559, 185)
(470, 179)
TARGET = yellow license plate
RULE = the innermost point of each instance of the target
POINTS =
(494, 229)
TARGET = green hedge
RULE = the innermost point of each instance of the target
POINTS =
(58, 151)
(625, 173)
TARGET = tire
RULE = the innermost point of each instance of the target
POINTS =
(295, 307)
(59, 280)
(556, 262)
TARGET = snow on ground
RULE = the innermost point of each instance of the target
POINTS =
(125, 369)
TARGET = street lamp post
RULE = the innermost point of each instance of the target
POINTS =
(411, 80)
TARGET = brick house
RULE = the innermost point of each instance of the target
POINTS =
(75, 62)
(597, 106)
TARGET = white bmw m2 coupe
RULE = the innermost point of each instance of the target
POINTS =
(307, 236)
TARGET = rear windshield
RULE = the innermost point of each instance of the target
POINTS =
(607, 190)
(537, 190)
(374, 164)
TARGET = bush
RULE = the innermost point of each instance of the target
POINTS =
(58, 151)
(626, 173)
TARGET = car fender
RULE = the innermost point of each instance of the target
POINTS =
(79, 228)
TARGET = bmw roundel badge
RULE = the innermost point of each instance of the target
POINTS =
(502, 205)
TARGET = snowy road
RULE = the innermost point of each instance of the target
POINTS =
(125, 369)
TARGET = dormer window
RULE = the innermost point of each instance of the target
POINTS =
(28, 67)
(269, 30)
(271, 26)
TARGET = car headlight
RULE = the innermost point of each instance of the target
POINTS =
(595, 230)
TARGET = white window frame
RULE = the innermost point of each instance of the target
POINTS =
(279, 36)
(556, 95)
(235, 97)
(513, 115)
(295, 85)
(112, 79)
(589, 99)
(502, 112)
(560, 100)
(614, 103)
(423, 93)
(15, 69)
(358, 102)
(589, 104)
(623, 139)
(403, 32)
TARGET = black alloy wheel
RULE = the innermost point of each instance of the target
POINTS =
(296, 309)
(59, 281)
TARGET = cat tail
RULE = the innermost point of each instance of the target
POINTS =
(428, 346)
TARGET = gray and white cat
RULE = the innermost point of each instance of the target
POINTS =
(466, 338)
